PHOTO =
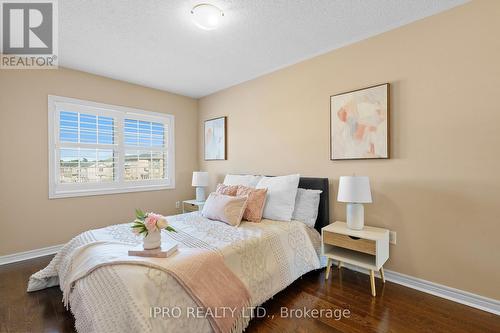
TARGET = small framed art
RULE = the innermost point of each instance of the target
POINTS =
(359, 124)
(215, 139)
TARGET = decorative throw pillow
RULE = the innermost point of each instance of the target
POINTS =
(281, 192)
(245, 180)
(255, 203)
(224, 208)
(306, 206)
(227, 189)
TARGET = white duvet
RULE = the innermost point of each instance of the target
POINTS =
(266, 256)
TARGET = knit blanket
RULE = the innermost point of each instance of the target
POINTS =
(266, 257)
(201, 273)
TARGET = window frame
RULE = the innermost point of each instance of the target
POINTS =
(119, 113)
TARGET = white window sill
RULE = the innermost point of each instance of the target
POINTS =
(104, 191)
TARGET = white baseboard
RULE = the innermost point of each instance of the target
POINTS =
(20, 256)
(456, 295)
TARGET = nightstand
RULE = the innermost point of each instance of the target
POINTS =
(192, 205)
(367, 248)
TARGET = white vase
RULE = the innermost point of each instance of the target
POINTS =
(152, 240)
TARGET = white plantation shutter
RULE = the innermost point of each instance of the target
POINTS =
(97, 148)
(145, 150)
(86, 146)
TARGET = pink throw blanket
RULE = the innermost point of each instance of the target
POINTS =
(202, 273)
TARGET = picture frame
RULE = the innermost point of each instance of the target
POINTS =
(215, 139)
(359, 124)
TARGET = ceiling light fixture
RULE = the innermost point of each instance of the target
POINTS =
(206, 16)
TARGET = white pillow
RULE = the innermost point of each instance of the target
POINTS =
(281, 192)
(306, 206)
(245, 180)
(225, 208)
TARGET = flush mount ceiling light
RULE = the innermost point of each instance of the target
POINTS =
(206, 16)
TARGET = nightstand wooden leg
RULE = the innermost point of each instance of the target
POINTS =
(382, 274)
(328, 264)
(372, 282)
(340, 265)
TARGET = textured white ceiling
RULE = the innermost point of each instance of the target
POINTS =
(155, 44)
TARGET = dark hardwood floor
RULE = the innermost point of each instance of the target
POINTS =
(395, 309)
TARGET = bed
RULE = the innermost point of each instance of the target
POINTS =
(266, 257)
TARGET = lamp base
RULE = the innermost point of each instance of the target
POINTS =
(355, 213)
(200, 193)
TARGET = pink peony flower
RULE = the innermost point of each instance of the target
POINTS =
(150, 221)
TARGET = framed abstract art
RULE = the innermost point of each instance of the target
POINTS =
(359, 124)
(215, 139)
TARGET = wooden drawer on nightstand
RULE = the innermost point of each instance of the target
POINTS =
(190, 207)
(348, 242)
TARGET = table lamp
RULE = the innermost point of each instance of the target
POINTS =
(200, 180)
(355, 191)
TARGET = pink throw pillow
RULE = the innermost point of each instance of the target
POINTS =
(227, 189)
(225, 208)
(255, 204)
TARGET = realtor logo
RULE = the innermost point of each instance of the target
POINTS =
(29, 34)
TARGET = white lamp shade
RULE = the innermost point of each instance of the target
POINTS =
(354, 189)
(200, 178)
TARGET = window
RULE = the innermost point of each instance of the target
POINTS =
(99, 149)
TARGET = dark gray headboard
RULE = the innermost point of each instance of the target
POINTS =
(324, 203)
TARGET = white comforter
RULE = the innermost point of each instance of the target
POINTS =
(266, 256)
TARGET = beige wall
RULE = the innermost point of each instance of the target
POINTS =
(28, 219)
(441, 189)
